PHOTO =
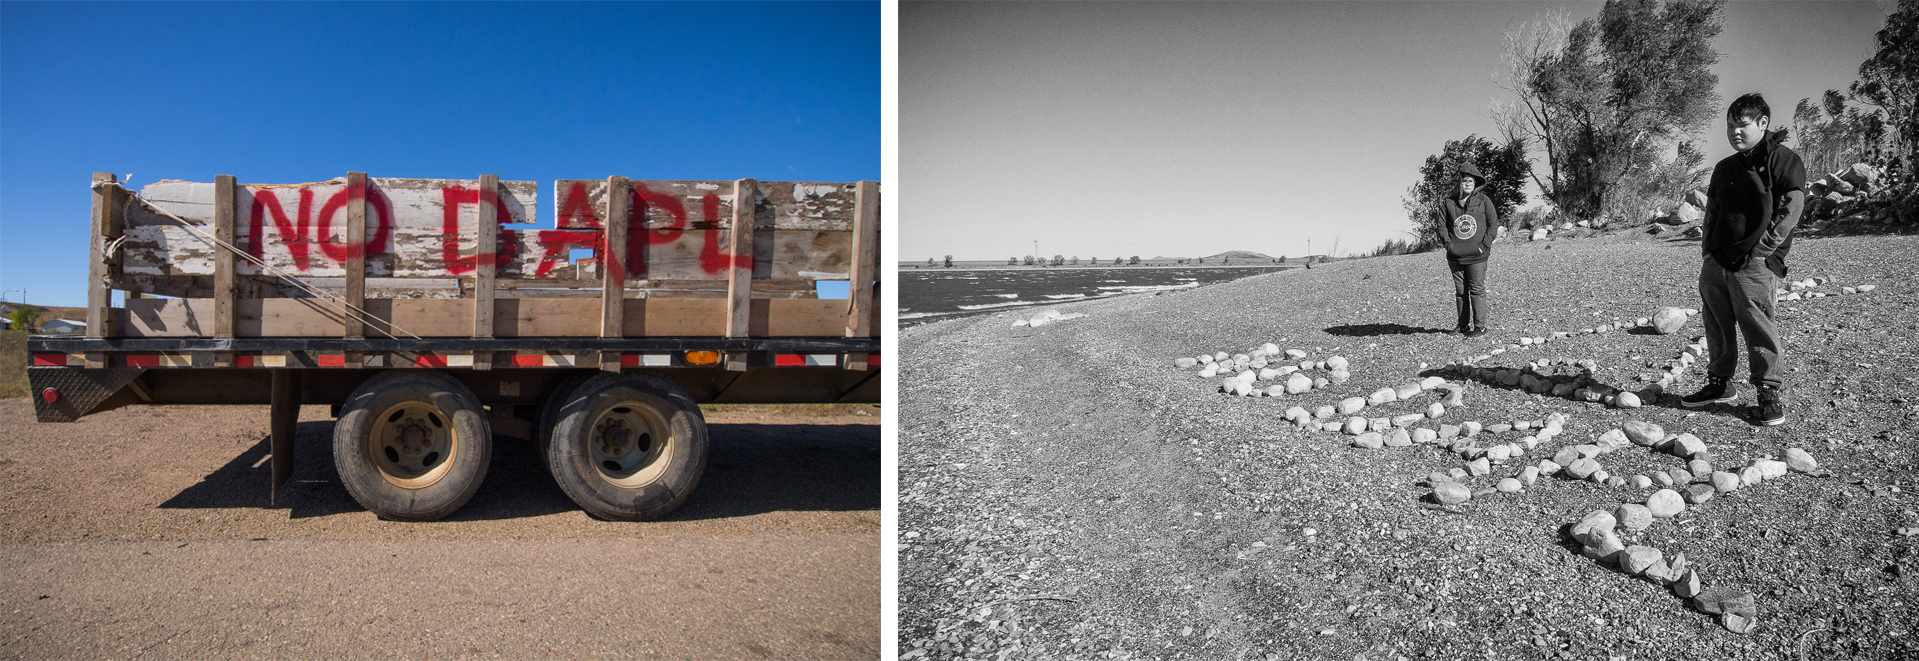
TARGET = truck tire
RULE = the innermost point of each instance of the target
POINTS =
(555, 400)
(628, 447)
(412, 445)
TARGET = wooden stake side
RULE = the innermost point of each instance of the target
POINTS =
(613, 257)
(223, 289)
(739, 286)
(356, 253)
(99, 295)
(486, 243)
(866, 257)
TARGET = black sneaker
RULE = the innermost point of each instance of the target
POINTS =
(1770, 411)
(1718, 390)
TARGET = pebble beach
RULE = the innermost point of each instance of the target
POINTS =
(1082, 487)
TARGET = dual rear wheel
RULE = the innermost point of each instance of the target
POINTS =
(414, 445)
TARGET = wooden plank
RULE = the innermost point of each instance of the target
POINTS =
(356, 253)
(300, 228)
(613, 254)
(866, 251)
(794, 205)
(99, 297)
(739, 294)
(223, 290)
(486, 228)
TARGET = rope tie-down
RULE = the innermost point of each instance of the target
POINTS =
(187, 224)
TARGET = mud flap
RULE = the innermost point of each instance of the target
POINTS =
(78, 391)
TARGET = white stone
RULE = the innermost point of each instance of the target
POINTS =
(1370, 440)
(1509, 485)
(1297, 383)
(1295, 354)
(1355, 426)
(1424, 435)
(1351, 405)
(1666, 503)
(1336, 363)
(1381, 396)
(1799, 460)
(1637, 559)
(1641, 481)
(1184, 363)
(1771, 468)
(1866, 288)
(1451, 493)
(1478, 467)
(1398, 439)
(1529, 475)
(1431, 382)
(1435, 410)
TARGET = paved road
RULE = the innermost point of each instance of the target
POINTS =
(147, 533)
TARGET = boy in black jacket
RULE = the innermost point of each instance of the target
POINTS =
(1752, 204)
(1466, 223)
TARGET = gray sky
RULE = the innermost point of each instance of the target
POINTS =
(1187, 129)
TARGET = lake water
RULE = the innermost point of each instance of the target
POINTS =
(928, 295)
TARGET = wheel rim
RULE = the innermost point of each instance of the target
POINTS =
(413, 444)
(630, 445)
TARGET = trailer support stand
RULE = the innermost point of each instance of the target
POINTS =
(285, 421)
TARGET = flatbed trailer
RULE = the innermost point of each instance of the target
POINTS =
(425, 347)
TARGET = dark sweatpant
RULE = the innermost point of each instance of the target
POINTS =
(1735, 303)
(1469, 293)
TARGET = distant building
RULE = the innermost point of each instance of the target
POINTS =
(63, 326)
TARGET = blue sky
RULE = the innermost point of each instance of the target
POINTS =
(1188, 129)
(294, 92)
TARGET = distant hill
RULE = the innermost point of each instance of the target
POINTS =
(1242, 255)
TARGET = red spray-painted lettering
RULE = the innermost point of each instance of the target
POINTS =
(295, 237)
(507, 243)
(340, 252)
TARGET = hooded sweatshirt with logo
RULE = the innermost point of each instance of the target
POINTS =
(1467, 227)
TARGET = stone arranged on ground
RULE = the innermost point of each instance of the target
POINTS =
(1634, 516)
(1451, 493)
(1582, 468)
(1687, 446)
(1665, 503)
(1687, 586)
(1636, 560)
(1370, 440)
(1643, 433)
(1799, 460)
(1700, 493)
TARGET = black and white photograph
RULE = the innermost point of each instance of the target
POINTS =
(1396, 330)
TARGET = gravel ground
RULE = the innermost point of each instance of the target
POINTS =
(148, 532)
(1066, 492)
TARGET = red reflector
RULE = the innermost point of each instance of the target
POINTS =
(429, 361)
(527, 361)
(789, 360)
(324, 360)
(629, 360)
(50, 395)
(245, 361)
(872, 360)
(50, 359)
(143, 360)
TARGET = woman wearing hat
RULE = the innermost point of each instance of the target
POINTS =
(1466, 223)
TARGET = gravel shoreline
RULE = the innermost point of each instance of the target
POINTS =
(1066, 492)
